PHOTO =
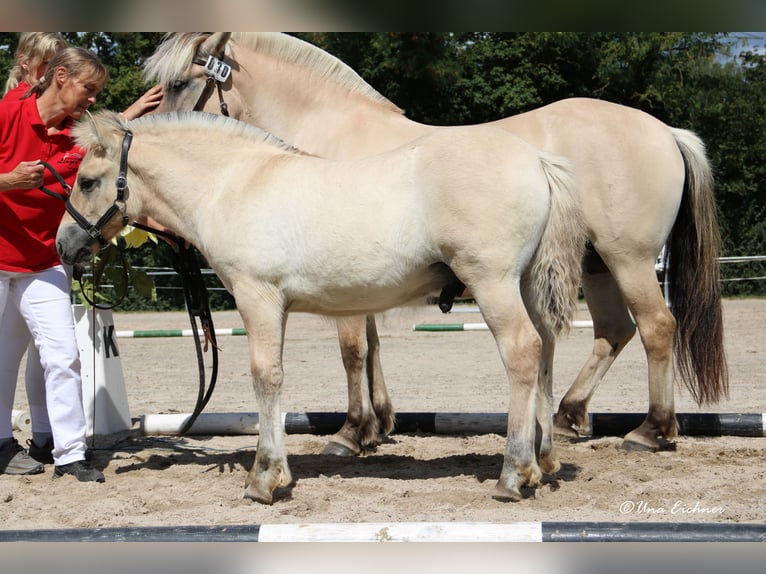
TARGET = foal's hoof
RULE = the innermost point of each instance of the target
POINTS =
(338, 449)
(505, 494)
(550, 464)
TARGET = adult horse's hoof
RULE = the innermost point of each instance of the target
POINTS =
(565, 434)
(634, 445)
(264, 497)
(338, 449)
(566, 429)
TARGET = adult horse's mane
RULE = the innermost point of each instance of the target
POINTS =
(90, 133)
(177, 50)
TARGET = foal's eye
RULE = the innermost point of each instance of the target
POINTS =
(179, 85)
(87, 184)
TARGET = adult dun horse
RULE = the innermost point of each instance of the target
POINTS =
(643, 185)
(286, 231)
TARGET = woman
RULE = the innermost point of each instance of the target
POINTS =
(33, 53)
(33, 282)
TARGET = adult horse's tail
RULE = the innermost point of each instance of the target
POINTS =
(692, 270)
(555, 269)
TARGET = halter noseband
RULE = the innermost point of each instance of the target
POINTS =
(94, 230)
(217, 72)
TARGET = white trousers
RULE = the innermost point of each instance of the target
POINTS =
(34, 377)
(41, 300)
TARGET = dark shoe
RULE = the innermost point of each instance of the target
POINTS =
(81, 470)
(15, 460)
(43, 453)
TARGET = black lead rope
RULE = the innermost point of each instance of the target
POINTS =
(198, 307)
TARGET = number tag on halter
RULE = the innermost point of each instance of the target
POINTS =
(218, 70)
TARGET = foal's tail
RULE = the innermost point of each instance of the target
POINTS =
(556, 267)
(692, 270)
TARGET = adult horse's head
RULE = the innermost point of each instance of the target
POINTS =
(96, 208)
(195, 73)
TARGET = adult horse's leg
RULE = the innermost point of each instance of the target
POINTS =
(613, 328)
(656, 326)
(694, 330)
(359, 347)
(265, 323)
(381, 402)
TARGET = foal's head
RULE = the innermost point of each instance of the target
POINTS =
(96, 209)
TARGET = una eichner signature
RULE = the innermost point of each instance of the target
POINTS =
(678, 507)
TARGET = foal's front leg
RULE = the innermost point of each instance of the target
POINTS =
(270, 470)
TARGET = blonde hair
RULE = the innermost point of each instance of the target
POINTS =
(34, 48)
(78, 62)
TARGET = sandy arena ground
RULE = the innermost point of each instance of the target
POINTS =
(199, 480)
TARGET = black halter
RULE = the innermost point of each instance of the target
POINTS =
(217, 72)
(118, 206)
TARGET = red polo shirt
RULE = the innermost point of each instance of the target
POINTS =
(18, 92)
(30, 218)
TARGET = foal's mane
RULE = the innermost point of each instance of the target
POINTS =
(96, 133)
(172, 57)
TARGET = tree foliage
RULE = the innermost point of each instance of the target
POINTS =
(695, 80)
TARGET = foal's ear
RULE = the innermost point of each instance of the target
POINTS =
(91, 132)
(214, 44)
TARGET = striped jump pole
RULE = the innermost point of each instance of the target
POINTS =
(437, 327)
(327, 423)
(409, 532)
(160, 333)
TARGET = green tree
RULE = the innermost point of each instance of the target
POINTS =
(412, 69)
(686, 79)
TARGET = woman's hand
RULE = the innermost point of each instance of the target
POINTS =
(146, 103)
(26, 175)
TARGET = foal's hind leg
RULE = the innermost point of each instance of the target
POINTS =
(613, 328)
(520, 347)
(546, 455)
(362, 428)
